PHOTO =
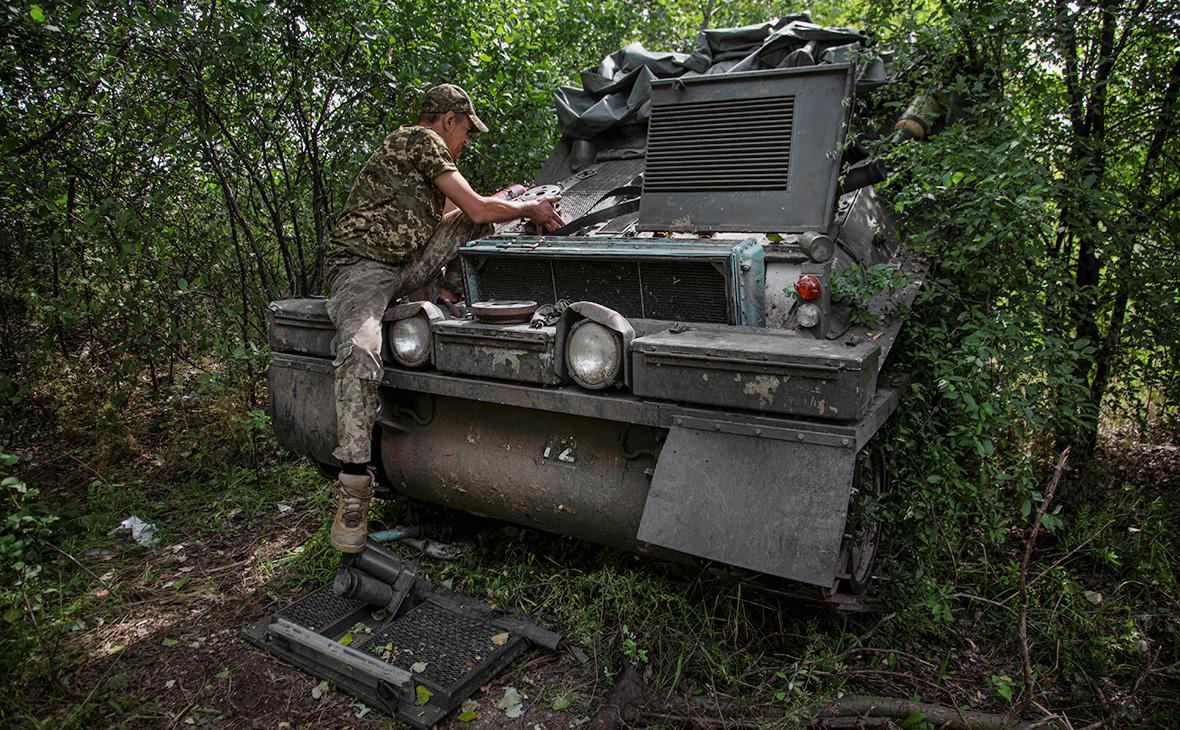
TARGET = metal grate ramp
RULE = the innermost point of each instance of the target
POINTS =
(456, 643)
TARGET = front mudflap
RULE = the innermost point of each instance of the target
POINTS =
(767, 499)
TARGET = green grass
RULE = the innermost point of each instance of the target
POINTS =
(1102, 603)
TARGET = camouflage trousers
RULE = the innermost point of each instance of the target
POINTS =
(361, 290)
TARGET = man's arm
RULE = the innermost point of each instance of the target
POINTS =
(481, 209)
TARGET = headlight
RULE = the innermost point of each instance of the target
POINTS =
(593, 354)
(409, 339)
(808, 315)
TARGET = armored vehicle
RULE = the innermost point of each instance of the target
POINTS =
(693, 367)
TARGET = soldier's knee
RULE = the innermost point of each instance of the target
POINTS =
(354, 361)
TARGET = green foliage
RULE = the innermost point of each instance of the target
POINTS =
(862, 290)
(27, 529)
(166, 170)
(189, 165)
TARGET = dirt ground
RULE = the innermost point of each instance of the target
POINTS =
(177, 658)
(170, 652)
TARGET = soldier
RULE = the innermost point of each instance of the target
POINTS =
(391, 239)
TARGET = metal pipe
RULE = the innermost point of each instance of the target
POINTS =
(362, 587)
(377, 562)
(398, 533)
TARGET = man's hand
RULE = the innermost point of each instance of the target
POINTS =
(481, 209)
(544, 214)
(449, 298)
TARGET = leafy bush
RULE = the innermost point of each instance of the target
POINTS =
(28, 529)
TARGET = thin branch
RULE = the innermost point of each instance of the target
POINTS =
(88, 571)
(1026, 693)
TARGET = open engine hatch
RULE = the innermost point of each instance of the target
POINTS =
(757, 151)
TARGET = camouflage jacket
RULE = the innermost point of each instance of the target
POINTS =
(393, 206)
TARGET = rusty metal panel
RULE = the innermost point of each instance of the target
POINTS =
(506, 352)
(567, 399)
(772, 372)
(571, 475)
(626, 408)
(765, 504)
(303, 409)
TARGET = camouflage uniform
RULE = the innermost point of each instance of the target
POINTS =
(390, 240)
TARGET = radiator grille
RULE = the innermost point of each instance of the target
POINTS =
(600, 281)
(724, 145)
(516, 279)
(687, 291)
(669, 288)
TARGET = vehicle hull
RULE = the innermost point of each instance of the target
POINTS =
(755, 491)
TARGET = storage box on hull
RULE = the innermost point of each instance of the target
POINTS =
(772, 372)
(518, 352)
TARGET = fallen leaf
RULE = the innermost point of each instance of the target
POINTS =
(116, 649)
(422, 695)
(346, 640)
(511, 703)
(561, 703)
(223, 674)
(500, 639)
(468, 715)
(170, 684)
(418, 667)
(319, 690)
(11, 615)
(169, 642)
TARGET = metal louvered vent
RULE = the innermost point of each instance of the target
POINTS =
(722, 145)
(745, 152)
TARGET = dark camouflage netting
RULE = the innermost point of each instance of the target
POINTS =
(618, 90)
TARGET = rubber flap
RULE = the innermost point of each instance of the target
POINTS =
(770, 505)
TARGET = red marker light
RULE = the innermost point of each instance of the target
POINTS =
(807, 288)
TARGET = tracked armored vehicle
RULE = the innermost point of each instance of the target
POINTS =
(695, 366)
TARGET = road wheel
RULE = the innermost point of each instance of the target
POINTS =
(862, 531)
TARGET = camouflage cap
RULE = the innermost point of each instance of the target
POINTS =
(450, 98)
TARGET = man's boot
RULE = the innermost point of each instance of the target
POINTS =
(351, 524)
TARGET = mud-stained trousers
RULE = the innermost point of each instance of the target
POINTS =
(361, 290)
